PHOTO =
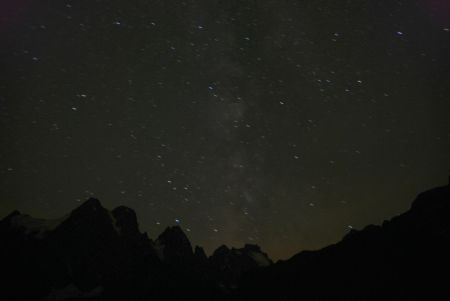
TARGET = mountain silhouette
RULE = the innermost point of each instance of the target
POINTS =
(96, 254)
(406, 258)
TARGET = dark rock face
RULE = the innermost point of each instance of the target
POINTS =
(200, 255)
(230, 264)
(174, 246)
(97, 254)
(236, 260)
(125, 221)
(407, 258)
(89, 249)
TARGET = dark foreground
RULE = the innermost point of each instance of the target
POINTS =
(96, 254)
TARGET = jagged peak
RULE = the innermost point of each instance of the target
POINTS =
(251, 251)
(173, 245)
(223, 249)
(89, 207)
(124, 209)
(12, 214)
(200, 254)
(171, 232)
(91, 202)
(125, 219)
(125, 214)
(199, 250)
(248, 248)
(252, 248)
(90, 217)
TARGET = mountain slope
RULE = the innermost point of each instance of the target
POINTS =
(403, 259)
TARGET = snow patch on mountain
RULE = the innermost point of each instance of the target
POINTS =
(114, 222)
(260, 259)
(36, 226)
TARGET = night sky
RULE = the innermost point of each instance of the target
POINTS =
(279, 123)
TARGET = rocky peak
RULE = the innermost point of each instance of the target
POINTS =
(89, 220)
(125, 221)
(249, 248)
(11, 215)
(174, 246)
(254, 251)
(247, 257)
(221, 251)
(90, 205)
(89, 212)
(200, 255)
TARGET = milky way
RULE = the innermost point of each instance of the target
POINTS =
(281, 123)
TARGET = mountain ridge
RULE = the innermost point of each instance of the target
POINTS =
(102, 255)
(402, 259)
